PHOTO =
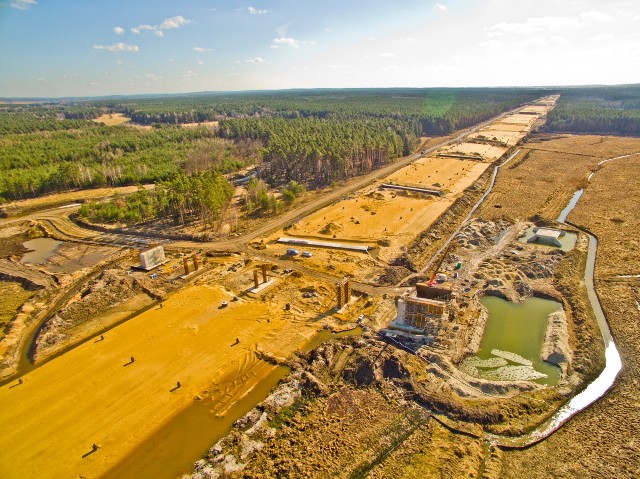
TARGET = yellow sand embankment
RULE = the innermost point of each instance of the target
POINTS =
(90, 395)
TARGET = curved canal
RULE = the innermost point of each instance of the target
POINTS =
(599, 386)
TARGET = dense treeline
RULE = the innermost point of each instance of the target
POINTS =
(608, 110)
(318, 151)
(201, 196)
(30, 122)
(440, 110)
(37, 163)
(311, 136)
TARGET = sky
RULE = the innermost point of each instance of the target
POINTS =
(59, 48)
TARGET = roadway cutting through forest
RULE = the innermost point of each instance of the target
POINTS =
(58, 221)
(66, 229)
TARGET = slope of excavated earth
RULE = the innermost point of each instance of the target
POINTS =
(358, 407)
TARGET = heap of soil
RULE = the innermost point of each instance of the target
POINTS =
(331, 228)
(111, 288)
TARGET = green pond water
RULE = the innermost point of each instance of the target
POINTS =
(512, 341)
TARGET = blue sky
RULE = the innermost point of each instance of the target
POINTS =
(101, 47)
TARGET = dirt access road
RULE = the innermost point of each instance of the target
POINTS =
(66, 229)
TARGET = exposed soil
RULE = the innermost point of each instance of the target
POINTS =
(349, 406)
(189, 338)
(115, 294)
(12, 296)
(348, 409)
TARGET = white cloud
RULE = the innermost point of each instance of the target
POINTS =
(153, 76)
(534, 41)
(289, 42)
(255, 60)
(490, 44)
(23, 4)
(168, 24)
(637, 17)
(560, 41)
(388, 55)
(605, 37)
(189, 74)
(535, 25)
(201, 49)
(597, 16)
(117, 47)
(174, 22)
(141, 28)
(255, 11)
(440, 7)
(200, 62)
(282, 29)
(118, 30)
(94, 83)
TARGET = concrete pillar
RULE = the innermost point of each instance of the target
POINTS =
(347, 291)
(185, 262)
(255, 278)
(196, 265)
(339, 290)
(264, 273)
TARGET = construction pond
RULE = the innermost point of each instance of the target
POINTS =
(162, 371)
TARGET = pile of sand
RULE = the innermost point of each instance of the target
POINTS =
(331, 228)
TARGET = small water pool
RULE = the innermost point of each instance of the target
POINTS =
(43, 249)
(567, 240)
(512, 342)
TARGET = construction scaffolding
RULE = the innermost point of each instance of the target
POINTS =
(424, 314)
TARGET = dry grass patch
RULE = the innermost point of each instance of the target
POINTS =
(433, 452)
(12, 296)
(610, 208)
(602, 440)
(541, 185)
(57, 199)
(111, 119)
